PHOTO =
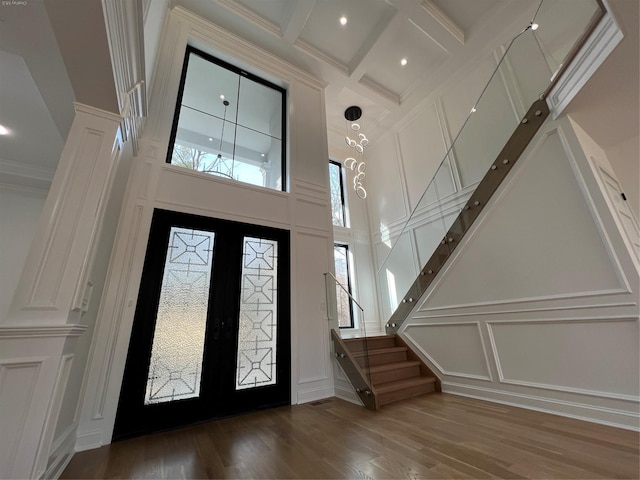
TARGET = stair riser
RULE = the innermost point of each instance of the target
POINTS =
(396, 374)
(358, 345)
(385, 398)
(382, 358)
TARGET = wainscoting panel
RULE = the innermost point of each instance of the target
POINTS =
(422, 148)
(18, 379)
(538, 305)
(310, 260)
(568, 354)
(455, 349)
(541, 232)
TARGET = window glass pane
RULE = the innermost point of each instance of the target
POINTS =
(257, 158)
(345, 312)
(260, 108)
(337, 199)
(242, 140)
(256, 361)
(178, 339)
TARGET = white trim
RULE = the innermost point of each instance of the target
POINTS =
(252, 17)
(41, 331)
(593, 53)
(444, 20)
(546, 386)
(422, 351)
(88, 441)
(315, 394)
(588, 413)
(514, 311)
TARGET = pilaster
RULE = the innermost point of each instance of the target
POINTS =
(55, 280)
(38, 338)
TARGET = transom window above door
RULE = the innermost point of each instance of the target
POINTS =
(229, 123)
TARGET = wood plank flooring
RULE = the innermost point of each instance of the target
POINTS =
(434, 436)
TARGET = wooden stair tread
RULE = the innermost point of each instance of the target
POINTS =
(400, 384)
(385, 367)
(380, 351)
(374, 337)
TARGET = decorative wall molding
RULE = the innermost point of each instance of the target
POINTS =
(420, 314)
(493, 206)
(61, 254)
(592, 54)
(629, 420)
(22, 373)
(556, 321)
(41, 331)
(124, 22)
(24, 175)
(433, 361)
(43, 457)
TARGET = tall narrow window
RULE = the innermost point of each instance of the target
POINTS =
(345, 306)
(229, 123)
(338, 211)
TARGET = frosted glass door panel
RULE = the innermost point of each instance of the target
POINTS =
(178, 339)
(256, 357)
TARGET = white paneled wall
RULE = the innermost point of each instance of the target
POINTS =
(21, 208)
(304, 210)
(538, 306)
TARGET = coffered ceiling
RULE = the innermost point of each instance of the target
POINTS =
(361, 60)
(54, 51)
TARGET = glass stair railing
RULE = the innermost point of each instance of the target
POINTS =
(353, 359)
(493, 136)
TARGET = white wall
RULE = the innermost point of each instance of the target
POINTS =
(19, 213)
(304, 210)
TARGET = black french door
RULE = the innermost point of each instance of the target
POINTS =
(211, 332)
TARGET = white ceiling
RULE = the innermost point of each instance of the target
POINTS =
(360, 62)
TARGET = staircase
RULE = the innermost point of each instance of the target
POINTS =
(396, 372)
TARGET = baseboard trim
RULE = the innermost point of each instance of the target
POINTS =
(315, 394)
(588, 413)
(88, 441)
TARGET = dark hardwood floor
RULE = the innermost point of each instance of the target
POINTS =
(434, 436)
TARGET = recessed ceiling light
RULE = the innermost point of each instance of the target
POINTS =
(262, 154)
(221, 97)
(403, 62)
(4, 130)
(343, 20)
(534, 26)
(210, 139)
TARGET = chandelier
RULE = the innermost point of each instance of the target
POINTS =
(358, 143)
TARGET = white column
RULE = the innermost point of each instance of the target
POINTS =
(38, 337)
